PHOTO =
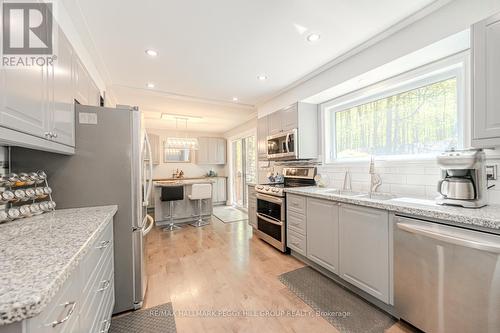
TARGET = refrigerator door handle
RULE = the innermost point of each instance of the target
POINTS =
(150, 167)
(146, 229)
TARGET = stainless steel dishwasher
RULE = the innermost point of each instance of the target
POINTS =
(446, 279)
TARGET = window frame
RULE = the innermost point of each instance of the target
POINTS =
(449, 67)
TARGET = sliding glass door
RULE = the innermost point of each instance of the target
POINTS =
(243, 170)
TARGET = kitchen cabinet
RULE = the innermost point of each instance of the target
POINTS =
(37, 103)
(85, 299)
(275, 123)
(323, 233)
(252, 206)
(219, 191)
(485, 82)
(262, 133)
(82, 82)
(304, 118)
(364, 249)
(296, 225)
(211, 151)
(289, 117)
(154, 141)
(25, 99)
(62, 105)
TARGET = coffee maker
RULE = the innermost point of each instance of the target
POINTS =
(463, 178)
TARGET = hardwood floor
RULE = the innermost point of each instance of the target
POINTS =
(223, 267)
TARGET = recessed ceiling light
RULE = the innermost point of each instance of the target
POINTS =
(150, 85)
(151, 52)
(235, 99)
(313, 37)
(262, 77)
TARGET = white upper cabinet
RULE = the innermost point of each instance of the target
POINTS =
(275, 123)
(82, 82)
(262, 133)
(25, 94)
(485, 83)
(63, 106)
(211, 151)
(290, 117)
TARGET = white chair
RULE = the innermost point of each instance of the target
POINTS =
(200, 192)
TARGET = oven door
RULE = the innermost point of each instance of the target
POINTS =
(271, 220)
(282, 146)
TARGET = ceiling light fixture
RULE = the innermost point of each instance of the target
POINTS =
(151, 53)
(166, 116)
(313, 37)
(150, 85)
(235, 99)
(262, 77)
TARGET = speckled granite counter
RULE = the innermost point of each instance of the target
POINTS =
(178, 182)
(38, 254)
(486, 217)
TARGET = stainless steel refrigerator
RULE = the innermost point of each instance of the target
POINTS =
(111, 166)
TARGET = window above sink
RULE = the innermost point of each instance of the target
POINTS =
(420, 112)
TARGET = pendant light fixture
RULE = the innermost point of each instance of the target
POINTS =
(182, 143)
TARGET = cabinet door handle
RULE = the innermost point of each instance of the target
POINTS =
(107, 324)
(106, 284)
(104, 244)
(71, 306)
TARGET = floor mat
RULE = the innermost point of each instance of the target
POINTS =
(228, 214)
(152, 320)
(343, 309)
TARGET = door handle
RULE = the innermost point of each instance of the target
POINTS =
(71, 306)
(269, 219)
(444, 237)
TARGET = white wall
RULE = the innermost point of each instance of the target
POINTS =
(452, 18)
(165, 170)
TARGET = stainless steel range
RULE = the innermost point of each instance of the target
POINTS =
(271, 205)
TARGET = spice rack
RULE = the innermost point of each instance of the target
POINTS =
(25, 195)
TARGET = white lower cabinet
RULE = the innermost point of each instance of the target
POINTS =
(353, 242)
(323, 233)
(84, 303)
(219, 191)
(364, 249)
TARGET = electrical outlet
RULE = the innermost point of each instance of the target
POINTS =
(491, 172)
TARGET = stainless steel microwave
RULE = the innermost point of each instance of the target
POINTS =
(282, 146)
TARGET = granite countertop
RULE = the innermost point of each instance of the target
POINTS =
(38, 254)
(486, 217)
(184, 181)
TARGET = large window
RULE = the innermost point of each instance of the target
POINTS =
(417, 113)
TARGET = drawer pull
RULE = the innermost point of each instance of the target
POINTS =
(104, 244)
(71, 306)
(105, 285)
(107, 324)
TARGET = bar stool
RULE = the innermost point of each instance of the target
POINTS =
(171, 194)
(200, 192)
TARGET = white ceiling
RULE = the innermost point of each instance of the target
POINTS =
(215, 49)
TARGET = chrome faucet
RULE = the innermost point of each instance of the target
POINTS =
(375, 180)
(347, 186)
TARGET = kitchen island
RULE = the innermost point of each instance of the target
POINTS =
(183, 210)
